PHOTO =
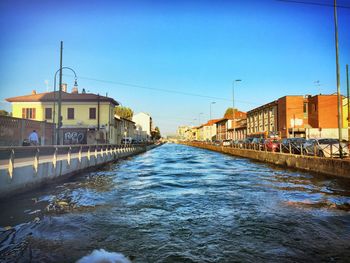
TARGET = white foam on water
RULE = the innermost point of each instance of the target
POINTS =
(103, 256)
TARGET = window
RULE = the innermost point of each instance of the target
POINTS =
(48, 113)
(70, 113)
(92, 113)
(28, 113)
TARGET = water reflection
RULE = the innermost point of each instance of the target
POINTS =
(181, 204)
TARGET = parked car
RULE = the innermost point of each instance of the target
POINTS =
(272, 145)
(292, 145)
(258, 143)
(227, 143)
(325, 148)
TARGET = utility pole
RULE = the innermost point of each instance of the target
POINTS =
(233, 109)
(338, 78)
(59, 124)
(348, 93)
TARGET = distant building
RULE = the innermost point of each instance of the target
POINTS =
(181, 132)
(209, 130)
(237, 125)
(221, 129)
(124, 129)
(143, 122)
(295, 116)
(86, 117)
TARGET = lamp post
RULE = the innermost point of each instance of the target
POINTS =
(348, 95)
(338, 79)
(211, 133)
(59, 117)
(233, 108)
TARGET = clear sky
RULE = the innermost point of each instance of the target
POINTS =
(198, 47)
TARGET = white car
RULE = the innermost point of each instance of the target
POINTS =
(325, 148)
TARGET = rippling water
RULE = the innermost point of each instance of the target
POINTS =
(182, 204)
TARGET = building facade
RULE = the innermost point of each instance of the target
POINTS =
(143, 122)
(86, 117)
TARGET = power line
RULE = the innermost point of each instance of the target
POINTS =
(162, 90)
(312, 3)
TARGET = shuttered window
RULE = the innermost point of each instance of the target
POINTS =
(70, 113)
(92, 113)
(48, 113)
(28, 113)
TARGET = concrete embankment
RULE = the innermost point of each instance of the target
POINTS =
(328, 166)
(21, 175)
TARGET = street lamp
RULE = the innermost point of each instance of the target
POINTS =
(211, 133)
(59, 117)
(233, 108)
(213, 102)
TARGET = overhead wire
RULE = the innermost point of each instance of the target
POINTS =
(312, 3)
(159, 89)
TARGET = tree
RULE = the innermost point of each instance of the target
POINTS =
(229, 114)
(4, 113)
(156, 134)
(124, 112)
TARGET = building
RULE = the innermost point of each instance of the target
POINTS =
(240, 129)
(209, 130)
(236, 125)
(181, 132)
(143, 122)
(221, 129)
(295, 116)
(124, 129)
(86, 117)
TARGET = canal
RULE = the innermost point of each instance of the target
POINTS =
(181, 204)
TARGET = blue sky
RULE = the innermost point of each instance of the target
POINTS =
(198, 47)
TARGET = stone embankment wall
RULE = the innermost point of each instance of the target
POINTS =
(20, 175)
(328, 166)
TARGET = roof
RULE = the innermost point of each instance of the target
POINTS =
(66, 97)
(222, 120)
(211, 122)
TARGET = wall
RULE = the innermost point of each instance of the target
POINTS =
(329, 166)
(14, 130)
(23, 176)
(326, 133)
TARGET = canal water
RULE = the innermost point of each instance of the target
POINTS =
(182, 204)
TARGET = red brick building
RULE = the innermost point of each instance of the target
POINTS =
(290, 116)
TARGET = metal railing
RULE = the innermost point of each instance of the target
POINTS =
(28, 153)
(316, 150)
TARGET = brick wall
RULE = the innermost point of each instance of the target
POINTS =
(14, 130)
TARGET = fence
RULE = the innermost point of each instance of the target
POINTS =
(331, 150)
(13, 131)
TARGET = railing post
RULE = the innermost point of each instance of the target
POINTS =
(54, 158)
(280, 147)
(314, 149)
(301, 149)
(332, 150)
(88, 154)
(290, 148)
(69, 155)
(79, 154)
(11, 163)
(36, 160)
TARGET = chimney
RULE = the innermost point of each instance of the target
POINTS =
(75, 90)
(33, 92)
(64, 87)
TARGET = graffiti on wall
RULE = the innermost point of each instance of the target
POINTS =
(74, 137)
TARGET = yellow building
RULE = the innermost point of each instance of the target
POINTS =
(86, 117)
